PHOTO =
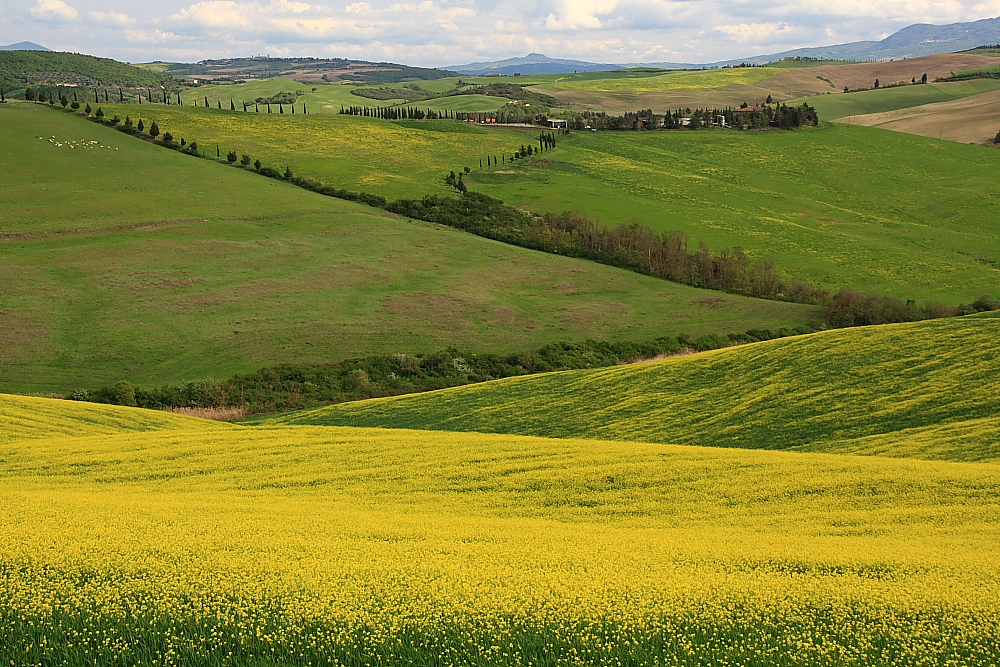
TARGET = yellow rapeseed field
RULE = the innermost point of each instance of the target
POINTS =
(288, 545)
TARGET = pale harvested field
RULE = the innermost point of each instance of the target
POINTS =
(973, 119)
(799, 82)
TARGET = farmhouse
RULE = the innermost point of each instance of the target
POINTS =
(557, 123)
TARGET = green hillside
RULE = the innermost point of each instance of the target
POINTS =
(124, 260)
(837, 206)
(20, 69)
(822, 392)
(843, 105)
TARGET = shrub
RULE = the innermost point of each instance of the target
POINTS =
(75, 106)
(288, 173)
(87, 110)
(141, 126)
(168, 138)
(100, 113)
(154, 130)
(115, 120)
(986, 302)
(257, 165)
(231, 157)
(357, 380)
(245, 160)
(124, 393)
(270, 172)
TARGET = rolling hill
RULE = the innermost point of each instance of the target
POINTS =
(124, 260)
(931, 388)
(314, 544)
(20, 69)
(814, 200)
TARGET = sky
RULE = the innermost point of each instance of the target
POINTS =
(450, 32)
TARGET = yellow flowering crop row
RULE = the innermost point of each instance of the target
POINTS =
(316, 545)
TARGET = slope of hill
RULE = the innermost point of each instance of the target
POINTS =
(842, 106)
(19, 69)
(399, 547)
(814, 200)
(124, 260)
(812, 391)
(28, 418)
(969, 119)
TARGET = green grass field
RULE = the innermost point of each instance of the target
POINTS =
(843, 105)
(640, 81)
(144, 264)
(200, 543)
(838, 206)
(872, 389)
(329, 97)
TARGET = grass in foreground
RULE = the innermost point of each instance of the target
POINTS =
(298, 545)
(928, 390)
(180, 269)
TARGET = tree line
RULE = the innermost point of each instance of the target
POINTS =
(289, 387)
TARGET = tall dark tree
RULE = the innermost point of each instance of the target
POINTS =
(206, 101)
(141, 126)
(923, 79)
(154, 130)
(877, 85)
(232, 105)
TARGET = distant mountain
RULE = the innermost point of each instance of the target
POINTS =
(920, 39)
(24, 46)
(533, 63)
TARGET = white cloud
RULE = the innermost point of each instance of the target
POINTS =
(53, 10)
(445, 32)
(112, 18)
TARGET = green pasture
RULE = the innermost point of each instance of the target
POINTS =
(837, 205)
(465, 103)
(153, 266)
(923, 390)
(843, 105)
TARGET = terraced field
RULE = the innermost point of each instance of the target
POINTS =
(144, 264)
(298, 545)
(930, 388)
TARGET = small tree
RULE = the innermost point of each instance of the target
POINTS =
(257, 165)
(996, 139)
(129, 124)
(193, 147)
(30, 95)
(288, 173)
(769, 100)
(88, 109)
(115, 120)
(923, 79)
(846, 89)
(877, 84)
(245, 160)
(100, 113)
(154, 130)
(141, 126)
(232, 157)
(75, 106)
(124, 393)
(64, 101)
(168, 138)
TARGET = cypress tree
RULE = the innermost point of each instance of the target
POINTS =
(269, 107)
(232, 105)
(121, 95)
(219, 102)
(206, 101)
(178, 99)
(281, 108)
(304, 108)
(218, 153)
(256, 108)
(244, 107)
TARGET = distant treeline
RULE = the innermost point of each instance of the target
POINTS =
(297, 386)
(634, 246)
(744, 118)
